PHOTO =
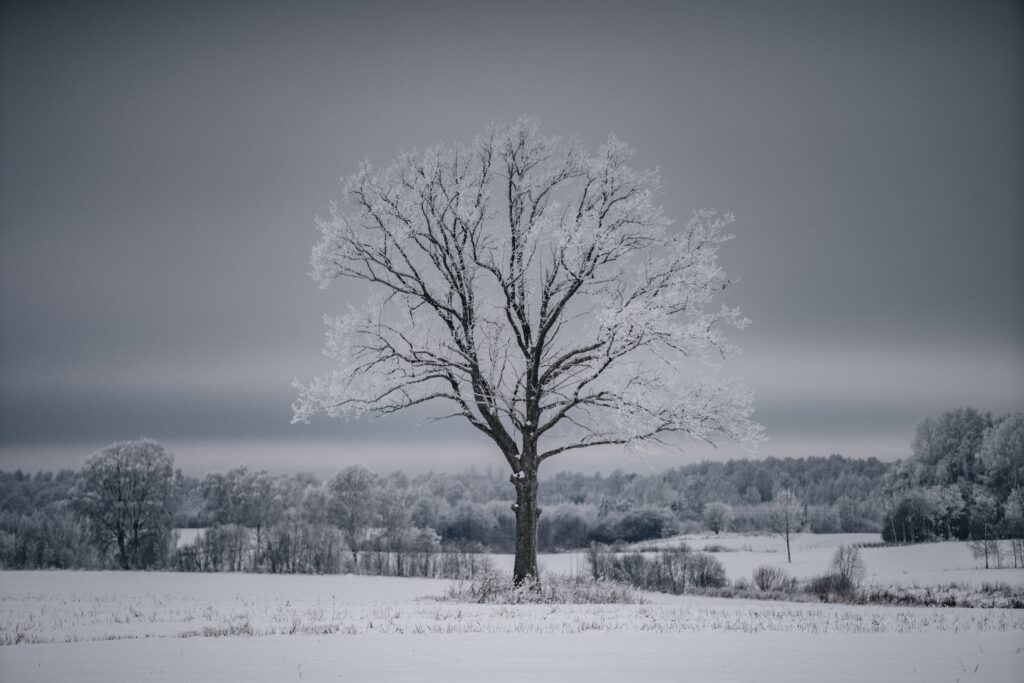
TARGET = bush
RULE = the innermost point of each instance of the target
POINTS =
(988, 596)
(643, 524)
(705, 571)
(566, 526)
(768, 578)
(494, 588)
(672, 571)
(716, 548)
(849, 569)
(824, 586)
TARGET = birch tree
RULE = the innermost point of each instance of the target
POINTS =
(539, 292)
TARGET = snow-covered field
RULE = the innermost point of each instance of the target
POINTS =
(128, 626)
(926, 564)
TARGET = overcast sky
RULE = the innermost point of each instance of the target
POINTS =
(161, 165)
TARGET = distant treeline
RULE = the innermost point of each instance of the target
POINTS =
(358, 521)
(129, 508)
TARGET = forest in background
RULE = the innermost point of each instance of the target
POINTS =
(128, 507)
(294, 519)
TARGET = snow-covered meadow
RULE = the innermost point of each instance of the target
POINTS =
(103, 626)
(921, 565)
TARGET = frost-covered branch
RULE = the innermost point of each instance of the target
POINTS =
(536, 287)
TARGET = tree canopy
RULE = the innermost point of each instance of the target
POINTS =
(538, 290)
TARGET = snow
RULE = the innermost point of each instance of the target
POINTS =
(161, 626)
(167, 626)
(590, 657)
(926, 564)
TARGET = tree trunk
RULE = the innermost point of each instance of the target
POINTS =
(122, 549)
(984, 531)
(527, 516)
(256, 559)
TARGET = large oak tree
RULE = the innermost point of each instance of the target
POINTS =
(539, 291)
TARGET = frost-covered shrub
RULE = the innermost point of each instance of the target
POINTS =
(824, 586)
(844, 578)
(567, 525)
(849, 569)
(671, 571)
(769, 578)
(640, 524)
(832, 587)
(716, 548)
(705, 571)
(495, 588)
(949, 595)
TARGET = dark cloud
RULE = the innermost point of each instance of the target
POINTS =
(160, 167)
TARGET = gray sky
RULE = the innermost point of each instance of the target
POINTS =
(161, 165)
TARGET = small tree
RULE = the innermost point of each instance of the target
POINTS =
(771, 578)
(126, 492)
(786, 517)
(849, 569)
(985, 514)
(538, 291)
(717, 516)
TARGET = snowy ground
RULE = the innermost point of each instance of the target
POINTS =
(112, 626)
(926, 564)
(585, 658)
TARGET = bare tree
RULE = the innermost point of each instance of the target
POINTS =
(540, 292)
(126, 492)
(849, 569)
(786, 517)
(985, 515)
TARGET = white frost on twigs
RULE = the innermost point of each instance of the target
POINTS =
(538, 289)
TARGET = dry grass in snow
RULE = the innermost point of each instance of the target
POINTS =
(53, 606)
(105, 626)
